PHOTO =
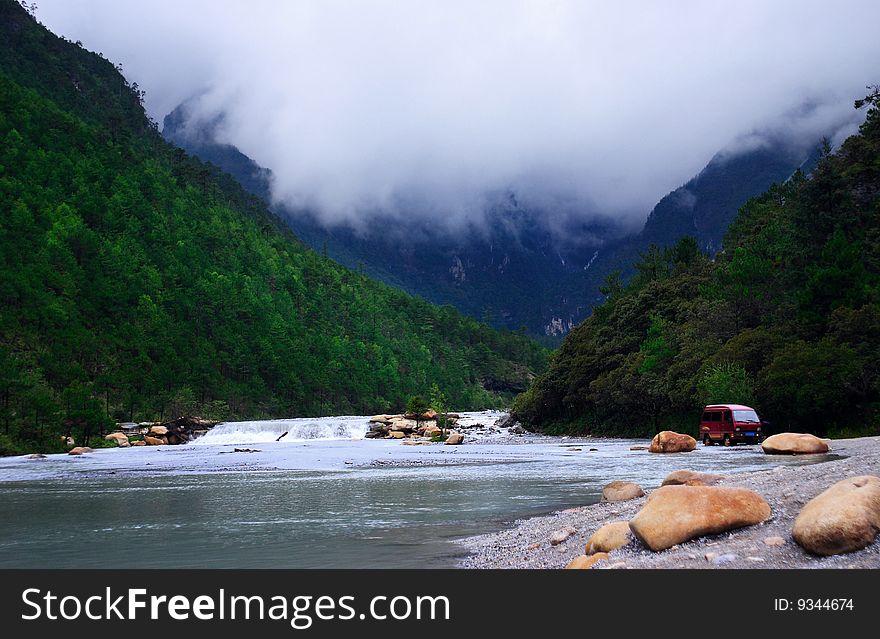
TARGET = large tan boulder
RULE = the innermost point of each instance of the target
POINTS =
(454, 439)
(138, 442)
(675, 514)
(158, 430)
(582, 562)
(403, 425)
(691, 478)
(794, 444)
(622, 491)
(121, 439)
(668, 441)
(609, 537)
(397, 434)
(153, 441)
(844, 518)
(79, 450)
(381, 419)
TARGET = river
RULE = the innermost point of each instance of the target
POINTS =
(323, 497)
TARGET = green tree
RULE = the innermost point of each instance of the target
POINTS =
(726, 383)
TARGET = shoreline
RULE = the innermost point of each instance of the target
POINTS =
(787, 488)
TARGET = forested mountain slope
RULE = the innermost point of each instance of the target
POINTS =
(786, 318)
(139, 283)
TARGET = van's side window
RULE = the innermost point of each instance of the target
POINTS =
(727, 417)
(716, 417)
(707, 416)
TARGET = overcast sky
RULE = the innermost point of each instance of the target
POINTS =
(427, 106)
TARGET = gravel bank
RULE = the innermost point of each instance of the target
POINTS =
(786, 488)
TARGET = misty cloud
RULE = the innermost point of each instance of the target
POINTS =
(430, 108)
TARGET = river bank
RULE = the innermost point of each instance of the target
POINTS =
(787, 488)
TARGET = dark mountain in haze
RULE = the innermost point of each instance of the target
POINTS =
(518, 273)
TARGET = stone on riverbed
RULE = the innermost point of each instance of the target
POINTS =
(691, 478)
(609, 537)
(668, 441)
(121, 439)
(454, 439)
(158, 430)
(622, 491)
(562, 535)
(794, 444)
(582, 562)
(396, 434)
(153, 441)
(79, 450)
(844, 518)
(675, 514)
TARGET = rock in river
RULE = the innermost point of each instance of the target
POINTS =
(79, 450)
(844, 518)
(691, 478)
(675, 514)
(609, 537)
(454, 439)
(794, 444)
(121, 439)
(153, 441)
(668, 441)
(622, 491)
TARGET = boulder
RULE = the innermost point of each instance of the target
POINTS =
(381, 419)
(844, 518)
(691, 478)
(668, 441)
(138, 442)
(517, 429)
(622, 491)
(397, 434)
(582, 562)
(152, 441)
(504, 421)
(121, 439)
(35, 456)
(609, 537)
(431, 431)
(675, 514)
(454, 439)
(158, 430)
(561, 535)
(426, 416)
(79, 450)
(403, 425)
(774, 541)
(794, 444)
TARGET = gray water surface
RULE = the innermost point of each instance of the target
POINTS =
(308, 503)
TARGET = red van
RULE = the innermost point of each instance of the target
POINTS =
(730, 423)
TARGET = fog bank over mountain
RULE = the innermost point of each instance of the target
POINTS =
(433, 109)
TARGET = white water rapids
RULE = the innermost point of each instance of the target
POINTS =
(300, 429)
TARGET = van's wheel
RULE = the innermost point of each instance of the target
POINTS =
(727, 441)
(707, 441)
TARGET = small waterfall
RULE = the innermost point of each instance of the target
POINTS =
(300, 429)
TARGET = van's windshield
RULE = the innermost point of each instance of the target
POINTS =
(745, 416)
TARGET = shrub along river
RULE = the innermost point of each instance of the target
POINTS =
(323, 497)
